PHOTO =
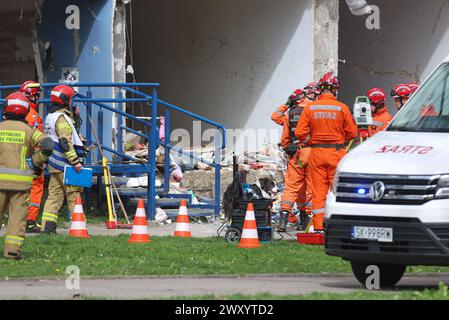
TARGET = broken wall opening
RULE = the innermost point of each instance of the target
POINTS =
(412, 40)
(17, 20)
(232, 62)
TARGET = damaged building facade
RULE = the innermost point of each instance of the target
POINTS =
(232, 62)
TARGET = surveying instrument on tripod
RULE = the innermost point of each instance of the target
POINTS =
(363, 119)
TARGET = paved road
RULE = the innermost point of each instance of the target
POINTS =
(204, 230)
(160, 287)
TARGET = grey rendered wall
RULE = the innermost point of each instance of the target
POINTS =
(412, 41)
(230, 61)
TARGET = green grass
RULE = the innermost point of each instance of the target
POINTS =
(113, 256)
(428, 294)
(441, 293)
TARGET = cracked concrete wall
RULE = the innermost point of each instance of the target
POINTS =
(412, 40)
(233, 62)
(325, 37)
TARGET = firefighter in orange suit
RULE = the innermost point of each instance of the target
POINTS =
(23, 151)
(280, 115)
(327, 124)
(32, 91)
(381, 116)
(297, 186)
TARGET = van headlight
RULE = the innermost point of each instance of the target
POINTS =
(335, 185)
(442, 191)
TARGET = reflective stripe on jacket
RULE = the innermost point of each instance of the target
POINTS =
(18, 142)
(55, 124)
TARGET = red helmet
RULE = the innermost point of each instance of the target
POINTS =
(312, 88)
(32, 90)
(401, 91)
(377, 97)
(17, 104)
(62, 95)
(329, 81)
(413, 87)
(298, 94)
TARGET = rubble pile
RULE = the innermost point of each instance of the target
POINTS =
(189, 174)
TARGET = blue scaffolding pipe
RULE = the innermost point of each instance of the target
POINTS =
(122, 113)
(189, 113)
(88, 84)
(166, 151)
(137, 133)
(152, 140)
(118, 153)
(152, 136)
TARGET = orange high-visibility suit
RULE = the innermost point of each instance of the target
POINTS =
(329, 124)
(297, 187)
(381, 120)
(279, 115)
(37, 188)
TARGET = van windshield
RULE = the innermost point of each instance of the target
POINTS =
(428, 109)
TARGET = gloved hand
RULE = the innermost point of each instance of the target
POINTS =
(291, 149)
(38, 170)
(85, 150)
(290, 102)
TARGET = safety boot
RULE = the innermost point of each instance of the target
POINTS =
(303, 221)
(32, 227)
(283, 220)
(13, 256)
(50, 227)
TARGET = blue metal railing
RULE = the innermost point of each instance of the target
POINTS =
(151, 135)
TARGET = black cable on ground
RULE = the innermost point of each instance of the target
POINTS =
(222, 226)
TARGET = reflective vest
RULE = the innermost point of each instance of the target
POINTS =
(58, 159)
(17, 140)
(293, 117)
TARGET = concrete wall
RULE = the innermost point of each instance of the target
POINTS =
(412, 40)
(231, 61)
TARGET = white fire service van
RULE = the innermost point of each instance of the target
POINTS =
(390, 201)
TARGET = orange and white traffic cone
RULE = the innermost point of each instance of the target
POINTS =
(250, 238)
(78, 224)
(182, 222)
(140, 233)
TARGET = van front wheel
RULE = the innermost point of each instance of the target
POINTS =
(389, 274)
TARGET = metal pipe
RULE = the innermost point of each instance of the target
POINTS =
(152, 139)
(123, 155)
(89, 84)
(137, 133)
(193, 115)
(89, 125)
(217, 166)
(167, 151)
(119, 127)
(105, 106)
(100, 129)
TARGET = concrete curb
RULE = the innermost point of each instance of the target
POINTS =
(227, 276)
